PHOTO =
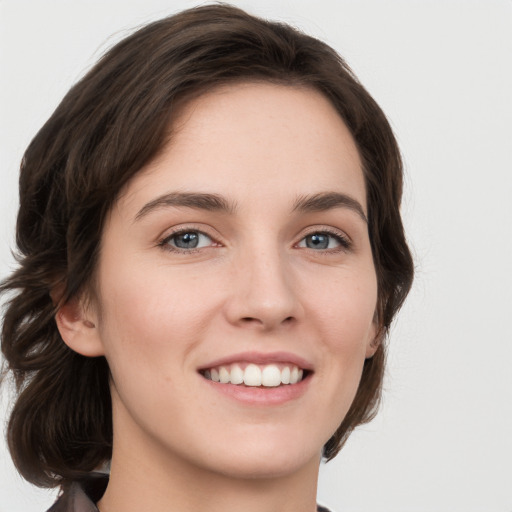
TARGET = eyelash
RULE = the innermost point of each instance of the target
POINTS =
(345, 244)
(164, 243)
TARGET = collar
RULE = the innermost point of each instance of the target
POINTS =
(82, 495)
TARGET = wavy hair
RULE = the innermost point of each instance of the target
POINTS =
(109, 125)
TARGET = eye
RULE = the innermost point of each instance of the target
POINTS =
(323, 241)
(184, 240)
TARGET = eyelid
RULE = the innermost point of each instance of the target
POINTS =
(344, 240)
(185, 228)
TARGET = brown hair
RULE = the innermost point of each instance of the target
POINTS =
(108, 126)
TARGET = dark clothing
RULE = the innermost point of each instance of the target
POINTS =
(82, 496)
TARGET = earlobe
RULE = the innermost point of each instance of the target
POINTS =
(375, 340)
(78, 328)
(376, 334)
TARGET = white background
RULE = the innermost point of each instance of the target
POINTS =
(441, 70)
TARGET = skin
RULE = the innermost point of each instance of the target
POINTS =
(253, 285)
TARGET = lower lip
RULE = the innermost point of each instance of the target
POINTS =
(262, 395)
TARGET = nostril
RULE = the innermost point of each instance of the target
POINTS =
(252, 320)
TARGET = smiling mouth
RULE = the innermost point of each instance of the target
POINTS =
(254, 375)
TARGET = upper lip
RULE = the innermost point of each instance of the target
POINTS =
(260, 358)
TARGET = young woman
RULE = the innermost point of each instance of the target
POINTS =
(210, 256)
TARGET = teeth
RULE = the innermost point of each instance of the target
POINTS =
(224, 376)
(237, 374)
(270, 375)
(252, 376)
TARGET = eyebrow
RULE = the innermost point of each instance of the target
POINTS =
(322, 201)
(327, 201)
(196, 200)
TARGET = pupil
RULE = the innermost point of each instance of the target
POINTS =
(317, 241)
(187, 240)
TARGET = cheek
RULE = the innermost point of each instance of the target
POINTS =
(154, 318)
(345, 309)
(149, 326)
(345, 317)
(145, 314)
(147, 295)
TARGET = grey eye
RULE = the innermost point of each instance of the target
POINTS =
(320, 241)
(189, 240)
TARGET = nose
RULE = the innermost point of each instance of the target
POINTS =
(264, 293)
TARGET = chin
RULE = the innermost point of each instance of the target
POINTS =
(271, 466)
(274, 458)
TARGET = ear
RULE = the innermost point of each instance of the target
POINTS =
(374, 343)
(377, 335)
(77, 325)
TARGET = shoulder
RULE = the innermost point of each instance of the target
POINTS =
(82, 495)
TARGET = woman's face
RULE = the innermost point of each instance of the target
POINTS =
(241, 251)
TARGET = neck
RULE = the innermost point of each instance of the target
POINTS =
(148, 478)
(134, 488)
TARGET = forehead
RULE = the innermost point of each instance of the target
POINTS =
(254, 140)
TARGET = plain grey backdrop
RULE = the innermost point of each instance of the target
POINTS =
(441, 70)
